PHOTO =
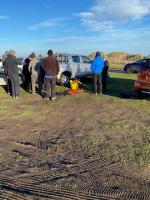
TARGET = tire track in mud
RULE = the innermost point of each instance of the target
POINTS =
(37, 175)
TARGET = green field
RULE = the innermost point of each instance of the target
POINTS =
(110, 127)
(117, 66)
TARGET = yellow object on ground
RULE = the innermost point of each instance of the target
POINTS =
(74, 84)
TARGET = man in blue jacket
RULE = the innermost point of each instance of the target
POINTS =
(97, 66)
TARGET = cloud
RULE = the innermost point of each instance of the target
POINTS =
(109, 13)
(2, 17)
(111, 40)
(47, 24)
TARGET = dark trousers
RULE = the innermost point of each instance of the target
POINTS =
(97, 83)
(104, 82)
(8, 84)
(27, 81)
(50, 87)
(15, 85)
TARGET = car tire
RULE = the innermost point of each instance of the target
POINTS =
(129, 70)
(139, 95)
(64, 79)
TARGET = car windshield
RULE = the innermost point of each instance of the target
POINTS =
(147, 64)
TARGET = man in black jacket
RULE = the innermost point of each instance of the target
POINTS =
(11, 64)
(8, 84)
(104, 75)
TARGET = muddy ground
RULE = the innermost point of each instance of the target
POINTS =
(77, 147)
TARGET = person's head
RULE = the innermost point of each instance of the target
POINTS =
(12, 53)
(7, 53)
(50, 52)
(32, 56)
(97, 54)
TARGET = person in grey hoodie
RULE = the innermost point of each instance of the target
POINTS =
(33, 69)
(11, 65)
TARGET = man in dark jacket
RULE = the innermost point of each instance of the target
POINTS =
(97, 66)
(8, 83)
(11, 64)
(51, 67)
(26, 73)
(104, 75)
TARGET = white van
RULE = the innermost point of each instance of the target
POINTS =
(71, 66)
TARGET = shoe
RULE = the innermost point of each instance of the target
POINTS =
(46, 98)
(53, 98)
(95, 93)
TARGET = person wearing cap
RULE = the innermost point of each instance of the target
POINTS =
(11, 64)
(97, 66)
(33, 69)
(51, 67)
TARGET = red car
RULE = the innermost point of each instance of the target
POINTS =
(142, 84)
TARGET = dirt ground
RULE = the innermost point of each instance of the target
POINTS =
(77, 147)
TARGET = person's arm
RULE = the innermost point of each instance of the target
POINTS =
(5, 68)
(30, 67)
(57, 67)
(92, 65)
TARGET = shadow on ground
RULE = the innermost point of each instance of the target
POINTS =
(114, 85)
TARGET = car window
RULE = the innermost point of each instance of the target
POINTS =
(76, 59)
(85, 59)
(65, 59)
(138, 62)
(144, 61)
(62, 58)
(148, 64)
(59, 58)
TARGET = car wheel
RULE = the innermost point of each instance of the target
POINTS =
(129, 70)
(139, 95)
(64, 79)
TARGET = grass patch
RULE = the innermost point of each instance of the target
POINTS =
(118, 136)
(120, 82)
(116, 66)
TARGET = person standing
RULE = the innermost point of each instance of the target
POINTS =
(8, 84)
(97, 66)
(41, 77)
(104, 75)
(33, 69)
(26, 74)
(11, 64)
(51, 67)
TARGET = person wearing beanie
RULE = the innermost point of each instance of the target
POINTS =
(97, 66)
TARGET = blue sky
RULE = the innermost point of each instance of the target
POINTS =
(75, 26)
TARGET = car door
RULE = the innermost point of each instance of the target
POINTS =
(75, 66)
(144, 77)
(85, 65)
(147, 75)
